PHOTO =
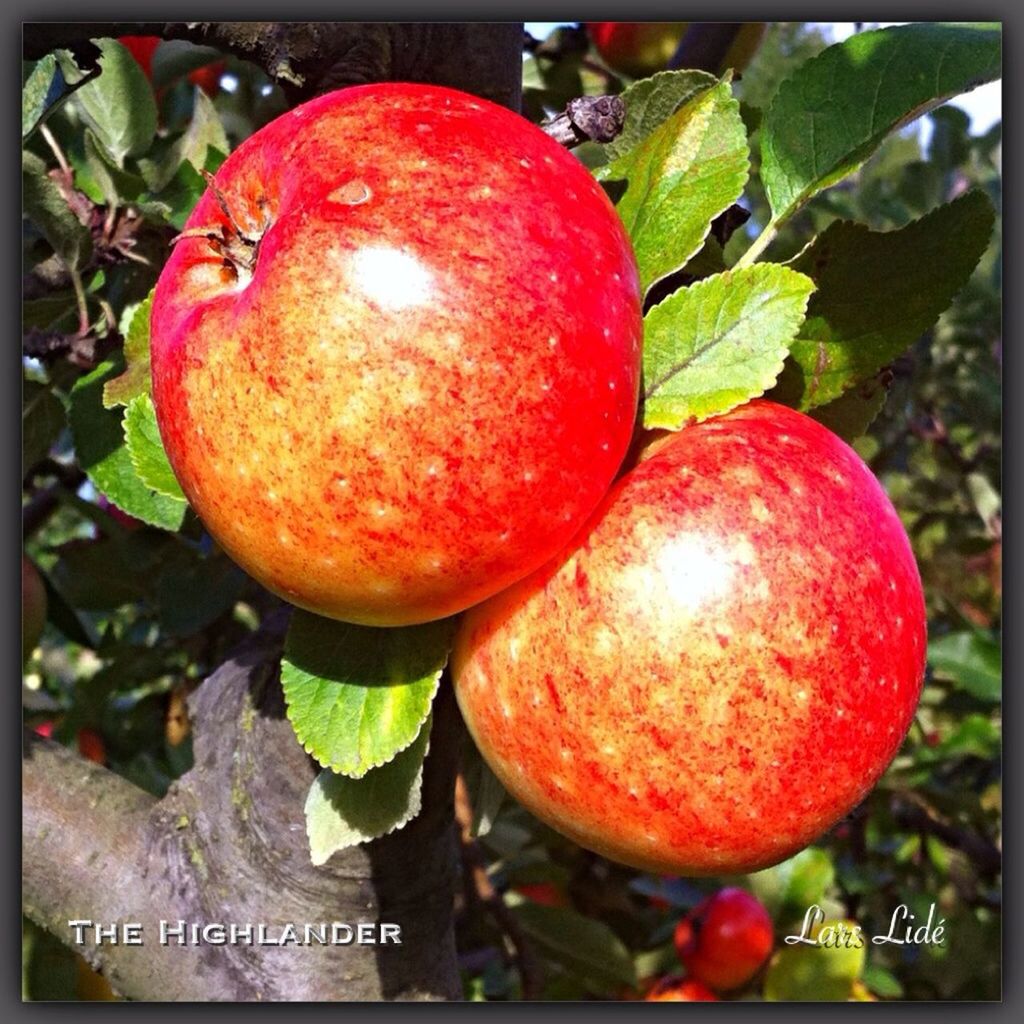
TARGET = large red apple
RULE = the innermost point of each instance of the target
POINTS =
(407, 372)
(636, 48)
(720, 665)
(725, 940)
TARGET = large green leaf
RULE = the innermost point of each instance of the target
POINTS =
(651, 101)
(146, 449)
(47, 209)
(832, 113)
(720, 342)
(971, 659)
(135, 380)
(679, 178)
(100, 446)
(357, 695)
(119, 105)
(878, 291)
(586, 949)
(343, 812)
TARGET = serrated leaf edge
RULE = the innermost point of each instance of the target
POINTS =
(163, 492)
(307, 744)
(765, 270)
(417, 788)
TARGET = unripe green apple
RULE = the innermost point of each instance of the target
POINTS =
(396, 352)
(721, 663)
(33, 607)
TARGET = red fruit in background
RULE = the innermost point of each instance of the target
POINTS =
(127, 521)
(545, 893)
(142, 49)
(720, 665)
(208, 78)
(636, 48)
(676, 990)
(420, 382)
(724, 941)
(91, 745)
(33, 607)
(45, 729)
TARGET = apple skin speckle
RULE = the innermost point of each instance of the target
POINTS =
(714, 673)
(417, 254)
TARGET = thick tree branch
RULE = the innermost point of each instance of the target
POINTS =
(228, 845)
(309, 58)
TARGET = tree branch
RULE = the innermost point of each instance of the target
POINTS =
(309, 58)
(587, 119)
(227, 844)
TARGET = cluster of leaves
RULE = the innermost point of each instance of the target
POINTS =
(877, 239)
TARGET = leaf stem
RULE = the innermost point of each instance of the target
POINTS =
(759, 245)
(83, 305)
(54, 145)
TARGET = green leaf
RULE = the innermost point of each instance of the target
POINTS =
(202, 142)
(136, 379)
(42, 418)
(679, 178)
(586, 949)
(146, 449)
(100, 446)
(115, 186)
(850, 415)
(882, 982)
(832, 113)
(720, 342)
(343, 812)
(212, 584)
(878, 291)
(971, 659)
(652, 101)
(173, 59)
(357, 695)
(44, 205)
(789, 888)
(822, 973)
(119, 105)
(43, 85)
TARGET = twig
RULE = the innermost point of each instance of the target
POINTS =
(475, 869)
(587, 119)
(913, 812)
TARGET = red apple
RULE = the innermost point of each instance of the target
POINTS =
(720, 665)
(636, 48)
(33, 607)
(91, 745)
(142, 49)
(546, 893)
(724, 941)
(407, 373)
(208, 77)
(680, 990)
